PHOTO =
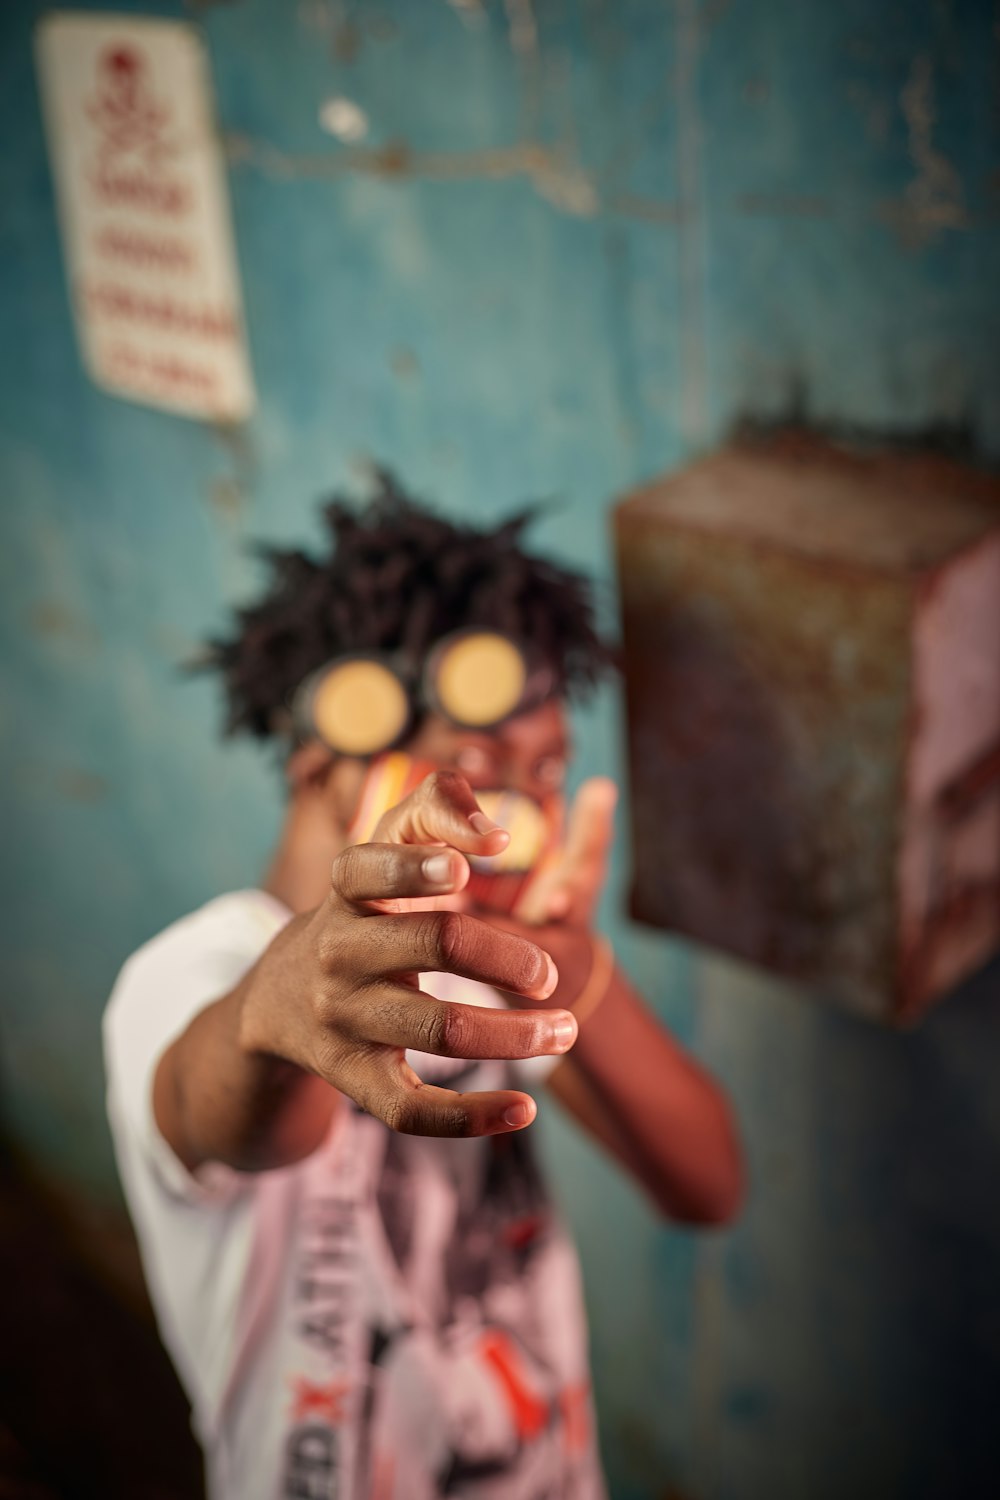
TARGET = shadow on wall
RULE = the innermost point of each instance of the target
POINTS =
(89, 1405)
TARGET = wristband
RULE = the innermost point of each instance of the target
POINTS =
(599, 981)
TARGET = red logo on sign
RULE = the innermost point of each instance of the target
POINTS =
(126, 110)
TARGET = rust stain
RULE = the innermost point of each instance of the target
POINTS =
(768, 604)
(404, 363)
(227, 499)
(757, 91)
(81, 786)
(53, 620)
(235, 438)
(522, 28)
(934, 200)
(72, 782)
(347, 42)
(555, 176)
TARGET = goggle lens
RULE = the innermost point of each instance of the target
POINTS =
(359, 707)
(479, 679)
(362, 704)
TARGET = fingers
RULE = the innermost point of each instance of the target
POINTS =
(571, 889)
(442, 810)
(591, 822)
(546, 898)
(400, 1016)
(453, 943)
(382, 872)
(428, 941)
(395, 1095)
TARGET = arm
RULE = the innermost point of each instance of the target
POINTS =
(660, 1113)
(216, 1099)
(333, 1004)
(627, 1080)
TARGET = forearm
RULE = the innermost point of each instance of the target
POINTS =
(673, 1124)
(219, 1097)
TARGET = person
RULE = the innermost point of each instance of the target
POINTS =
(320, 1089)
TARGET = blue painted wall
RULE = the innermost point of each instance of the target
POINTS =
(614, 229)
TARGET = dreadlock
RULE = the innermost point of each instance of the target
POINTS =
(398, 576)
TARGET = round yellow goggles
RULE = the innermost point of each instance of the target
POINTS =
(367, 702)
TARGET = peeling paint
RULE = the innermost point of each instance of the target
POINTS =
(934, 200)
(561, 182)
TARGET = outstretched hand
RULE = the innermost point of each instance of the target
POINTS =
(337, 993)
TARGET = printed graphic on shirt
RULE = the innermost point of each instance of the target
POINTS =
(394, 1317)
(468, 1376)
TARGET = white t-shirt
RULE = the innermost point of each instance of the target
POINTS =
(394, 1318)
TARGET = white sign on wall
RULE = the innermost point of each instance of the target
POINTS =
(144, 212)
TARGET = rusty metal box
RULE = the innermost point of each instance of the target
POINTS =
(812, 662)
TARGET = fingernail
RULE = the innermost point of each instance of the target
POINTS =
(559, 903)
(437, 869)
(519, 1114)
(564, 1033)
(551, 978)
(482, 824)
